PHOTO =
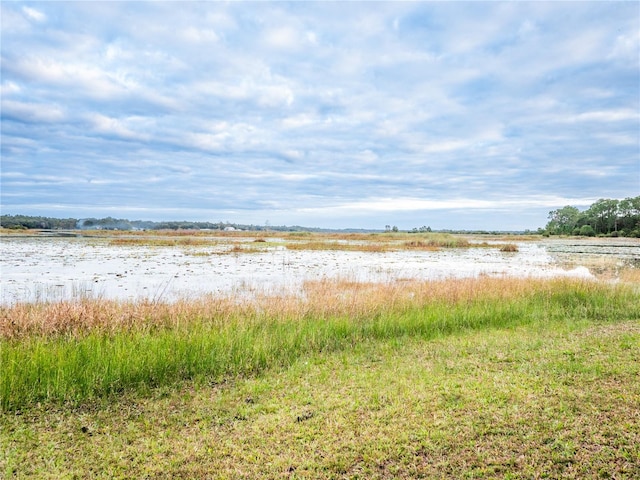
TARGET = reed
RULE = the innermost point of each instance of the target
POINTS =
(76, 351)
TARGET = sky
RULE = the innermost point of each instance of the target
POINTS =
(453, 115)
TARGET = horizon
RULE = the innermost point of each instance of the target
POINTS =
(458, 116)
(117, 219)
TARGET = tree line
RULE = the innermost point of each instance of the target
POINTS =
(608, 217)
(23, 222)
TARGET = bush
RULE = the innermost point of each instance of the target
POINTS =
(587, 231)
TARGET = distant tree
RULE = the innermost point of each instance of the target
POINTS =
(25, 221)
(629, 214)
(394, 229)
(603, 215)
(563, 221)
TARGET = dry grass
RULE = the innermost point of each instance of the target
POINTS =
(509, 247)
(17, 231)
(630, 275)
(320, 245)
(383, 242)
(322, 298)
(365, 242)
(80, 317)
(187, 241)
(604, 267)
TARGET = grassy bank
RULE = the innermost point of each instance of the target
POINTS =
(79, 351)
(554, 397)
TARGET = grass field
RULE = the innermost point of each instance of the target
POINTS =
(486, 378)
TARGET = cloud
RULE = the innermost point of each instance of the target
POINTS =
(618, 115)
(34, 14)
(323, 111)
(92, 81)
(32, 112)
(200, 35)
(122, 128)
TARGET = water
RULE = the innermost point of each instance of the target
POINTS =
(50, 268)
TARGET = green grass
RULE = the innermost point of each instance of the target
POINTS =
(74, 368)
(557, 399)
(487, 379)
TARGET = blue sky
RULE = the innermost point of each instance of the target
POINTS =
(483, 115)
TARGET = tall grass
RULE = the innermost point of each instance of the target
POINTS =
(383, 242)
(78, 351)
(165, 241)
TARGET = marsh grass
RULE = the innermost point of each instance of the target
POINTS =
(78, 351)
(364, 242)
(508, 247)
(437, 241)
(383, 242)
(169, 241)
(320, 245)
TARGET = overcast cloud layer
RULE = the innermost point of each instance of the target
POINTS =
(451, 115)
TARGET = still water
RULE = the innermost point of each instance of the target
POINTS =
(51, 268)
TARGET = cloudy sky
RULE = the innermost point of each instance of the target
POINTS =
(483, 115)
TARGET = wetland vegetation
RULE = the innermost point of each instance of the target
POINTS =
(480, 377)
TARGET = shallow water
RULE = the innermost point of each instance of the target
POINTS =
(50, 268)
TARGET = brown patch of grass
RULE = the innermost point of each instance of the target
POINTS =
(245, 248)
(18, 231)
(630, 275)
(80, 317)
(382, 242)
(420, 245)
(509, 247)
(163, 242)
(320, 298)
(339, 246)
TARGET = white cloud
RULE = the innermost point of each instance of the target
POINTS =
(8, 88)
(93, 81)
(121, 128)
(626, 47)
(406, 107)
(618, 115)
(283, 37)
(409, 204)
(34, 14)
(208, 141)
(300, 120)
(200, 35)
(33, 112)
